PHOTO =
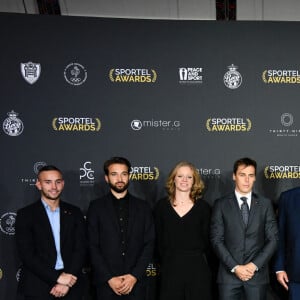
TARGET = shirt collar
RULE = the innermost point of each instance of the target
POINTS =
(239, 195)
(47, 207)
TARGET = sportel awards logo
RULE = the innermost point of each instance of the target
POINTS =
(75, 74)
(145, 173)
(169, 125)
(228, 124)
(232, 78)
(282, 172)
(132, 75)
(76, 124)
(7, 223)
(30, 71)
(190, 75)
(12, 125)
(281, 76)
(87, 174)
(287, 129)
(151, 270)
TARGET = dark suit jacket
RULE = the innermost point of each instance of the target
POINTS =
(236, 244)
(36, 246)
(105, 241)
(288, 254)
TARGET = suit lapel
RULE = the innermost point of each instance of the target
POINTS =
(43, 220)
(237, 210)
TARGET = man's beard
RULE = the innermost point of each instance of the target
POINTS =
(119, 189)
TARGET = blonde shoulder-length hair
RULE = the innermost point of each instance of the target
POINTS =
(198, 185)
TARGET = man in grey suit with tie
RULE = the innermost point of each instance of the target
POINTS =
(244, 236)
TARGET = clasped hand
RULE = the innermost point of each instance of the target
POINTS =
(122, 285)
(245, 272)
(64, 283)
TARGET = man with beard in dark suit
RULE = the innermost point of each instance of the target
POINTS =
(121, 237)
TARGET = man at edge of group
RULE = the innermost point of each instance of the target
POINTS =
(51, 242)
(121, 237)
(287, 260)
(244, 236)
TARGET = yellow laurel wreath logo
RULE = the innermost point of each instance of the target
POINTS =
(208, 124)
(98, 123)
(156, 173)
(54, 123)
(249, 124)
(266, 172)
(154, 76)
(264, 76)
(111, 77)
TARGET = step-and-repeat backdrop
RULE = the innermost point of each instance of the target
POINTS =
(76, 91)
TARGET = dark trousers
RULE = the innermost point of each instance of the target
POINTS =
(243, 291)
(294, 290)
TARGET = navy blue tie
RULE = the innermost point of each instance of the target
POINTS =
(245, 210)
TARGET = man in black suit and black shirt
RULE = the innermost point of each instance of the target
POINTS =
(121, 237)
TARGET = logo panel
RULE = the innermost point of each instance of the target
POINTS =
(75, 74)
(281, 76)
(223, 124)
(12, 125)
(30, 71)
(7, 223)
(232, 78)
(132, 75)
(77, 124)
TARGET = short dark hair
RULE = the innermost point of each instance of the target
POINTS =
(245, 161)
(49, 168)
(116, 160)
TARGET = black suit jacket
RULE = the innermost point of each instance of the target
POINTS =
(105, 241)
(237, 244)
(36, 246)
(288, 254)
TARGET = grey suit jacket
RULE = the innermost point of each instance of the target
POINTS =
(237, 244)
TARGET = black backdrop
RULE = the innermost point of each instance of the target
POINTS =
(76, 91)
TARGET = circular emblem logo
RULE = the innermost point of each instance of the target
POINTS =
(136, 125)
(13, 126)
(232, 78)
(287, 119)
(75, 74)
(38, 165)
(7, 223)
